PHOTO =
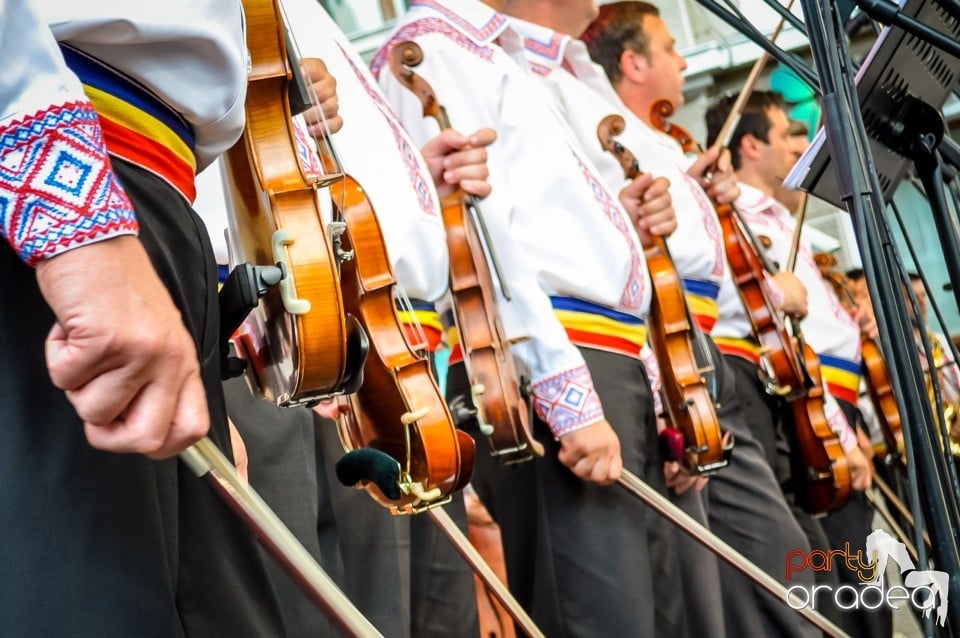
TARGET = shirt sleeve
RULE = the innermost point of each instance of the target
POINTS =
(57, 187)
(838, 422)
(563, 392)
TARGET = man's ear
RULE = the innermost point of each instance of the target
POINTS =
(634, 66)
(749, 147)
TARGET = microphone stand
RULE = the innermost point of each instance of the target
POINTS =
(861, 193)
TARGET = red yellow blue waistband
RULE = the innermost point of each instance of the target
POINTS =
(702, 301)
(744, 348)
(590, 325)
(587, 325)
(137, 125)
(841, 377)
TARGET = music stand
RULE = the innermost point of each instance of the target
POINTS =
(899, 65)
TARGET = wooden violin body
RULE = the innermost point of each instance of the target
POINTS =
(881, 395)
(791, 368)
(687, 400)
(399, 409)
(821, 472)
(495, 385)
(299, 344)
(502, 412)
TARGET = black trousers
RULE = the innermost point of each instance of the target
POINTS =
(584, 559)
(116, 545)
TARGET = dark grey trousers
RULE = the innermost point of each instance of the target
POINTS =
(748, 510)
(584, 559)
(400, 572)
(110, 545)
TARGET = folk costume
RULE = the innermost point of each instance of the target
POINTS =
(580, 291)
(110, 544)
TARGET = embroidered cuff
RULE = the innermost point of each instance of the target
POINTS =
(653, 374)
(567, 401)
(848, 438)
(773, 290)
(57, 188)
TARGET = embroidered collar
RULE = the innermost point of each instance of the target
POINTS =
(544, 45)
(753, 201)
(472, 18)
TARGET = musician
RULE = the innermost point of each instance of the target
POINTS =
(104, 534)
(762, 154)
(399, 571)
(578, 552)
(744, 499)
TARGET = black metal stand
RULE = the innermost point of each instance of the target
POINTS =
(890, 13)
(860, 190)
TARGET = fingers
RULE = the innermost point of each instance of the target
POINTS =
(121, 350)
(323, 89)
(592, 453)
(468, 168)
(240, 459)
(460, 160)
(165, 418)
(655, 214)
(704, 163)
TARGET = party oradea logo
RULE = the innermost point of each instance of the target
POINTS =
(925, 589)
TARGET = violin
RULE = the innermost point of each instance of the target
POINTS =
(501, 410)
(299, 343)
(398, 409)
(874, 367)
(790, 367)
(687, 400)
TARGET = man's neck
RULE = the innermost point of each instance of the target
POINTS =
(633, 97)
(751, 177)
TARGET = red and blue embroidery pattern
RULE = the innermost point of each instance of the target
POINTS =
(427, 26)
(478, 33)
(57, 188)
(404, 144)
(710, 222)
(633, 292)
(567, 401)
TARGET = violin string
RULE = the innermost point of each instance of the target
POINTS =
(326, 148)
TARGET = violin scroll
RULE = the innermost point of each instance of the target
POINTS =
(609, 127)
(660, 113)
(404, 57)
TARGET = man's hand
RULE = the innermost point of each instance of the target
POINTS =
(323, 89)
(240, 459)
(867, 321)
(592, 453)
(794, 301)
(647, 201)
(333, 408)
(714, 172)
(120, 350)
(680, 480)
(454, 159)
(860, 476)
